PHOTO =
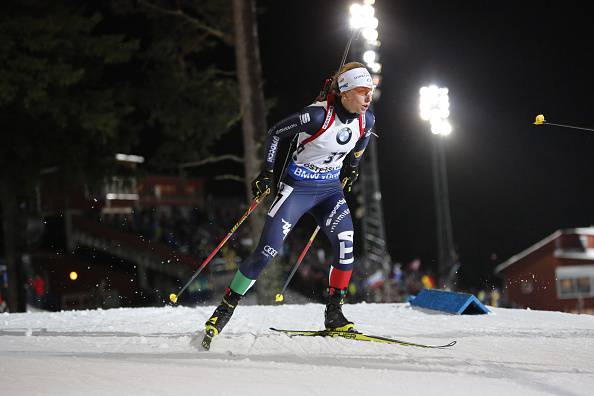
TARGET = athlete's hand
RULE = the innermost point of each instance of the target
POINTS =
(350, 174)
(262, 183)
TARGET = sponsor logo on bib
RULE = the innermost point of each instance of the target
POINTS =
(344, 135)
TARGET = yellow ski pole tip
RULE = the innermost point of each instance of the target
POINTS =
(279, 298)
(173, 297)
(539, 119)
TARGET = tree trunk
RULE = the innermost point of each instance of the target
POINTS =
(16, 293)
(249, 69)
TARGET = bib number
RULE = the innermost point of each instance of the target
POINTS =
(334, 157)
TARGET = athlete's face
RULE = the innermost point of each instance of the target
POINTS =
(357, 100)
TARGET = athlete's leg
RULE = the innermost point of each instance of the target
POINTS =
(334, 217)
(289, 205)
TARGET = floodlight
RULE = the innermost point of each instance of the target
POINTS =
(434, 106)
(370, 35)
(375, 67)
(362, 16)
(369, 57)
(441, 127)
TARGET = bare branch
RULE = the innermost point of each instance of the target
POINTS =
(230, 177)
(209, 160)
(233, 120)
(226, 38)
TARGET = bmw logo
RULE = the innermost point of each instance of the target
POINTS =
(344, 135)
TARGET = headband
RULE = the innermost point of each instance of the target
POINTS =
(354, 78)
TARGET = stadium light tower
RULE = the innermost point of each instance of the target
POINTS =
(376, 261)
(363, 19)
(434, 107)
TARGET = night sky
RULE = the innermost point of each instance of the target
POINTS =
(511, 183)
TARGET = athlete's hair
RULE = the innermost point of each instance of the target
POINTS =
(347, 66)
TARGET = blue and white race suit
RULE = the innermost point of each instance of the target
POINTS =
(327, 135)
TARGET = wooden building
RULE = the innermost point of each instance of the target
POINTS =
(555, 274)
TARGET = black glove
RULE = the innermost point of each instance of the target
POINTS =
(262, 183)
(350, 173)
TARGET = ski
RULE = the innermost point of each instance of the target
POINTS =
(357, 336)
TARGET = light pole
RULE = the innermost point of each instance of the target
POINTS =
(435, 108)
(362, 19)
(377, 260)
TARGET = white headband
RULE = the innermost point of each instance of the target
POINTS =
(354, 78)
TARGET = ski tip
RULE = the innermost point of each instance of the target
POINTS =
(451, 344)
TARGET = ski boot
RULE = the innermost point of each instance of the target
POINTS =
(334, 319)
(214, 325)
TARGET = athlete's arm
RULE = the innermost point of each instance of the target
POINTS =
(356, 154)
(309, 120)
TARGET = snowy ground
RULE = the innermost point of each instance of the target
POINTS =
(148, 351)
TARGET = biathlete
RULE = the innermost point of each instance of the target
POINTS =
(330, 133)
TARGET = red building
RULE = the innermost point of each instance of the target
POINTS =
(555, 274)
(93, 251)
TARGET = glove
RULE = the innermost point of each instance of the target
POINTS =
(262, 183)
(350, 174)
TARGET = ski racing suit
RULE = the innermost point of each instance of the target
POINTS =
(328, 135)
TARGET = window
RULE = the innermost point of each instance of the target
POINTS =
(584, 285)
(575, 281)
(566, 286)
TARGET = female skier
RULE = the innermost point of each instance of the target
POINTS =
(330, 132)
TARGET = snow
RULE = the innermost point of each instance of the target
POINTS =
(150, 351)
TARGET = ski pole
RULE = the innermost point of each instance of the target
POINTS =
(540, 120)
(280, 296)
(289, 152)
(329, 81)
(173, 297)
(354, 34)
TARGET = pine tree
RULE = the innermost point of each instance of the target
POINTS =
(59, 105)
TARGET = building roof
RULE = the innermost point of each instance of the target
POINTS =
(540, 244)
